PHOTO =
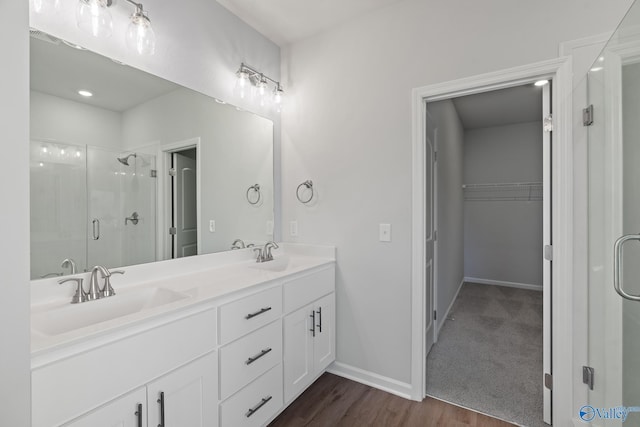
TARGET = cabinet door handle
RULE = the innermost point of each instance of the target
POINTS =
(313, 323)
(320, 319)
(161, 402)
(257, 313)
(257, 356)
(258, 406)
(139, 414)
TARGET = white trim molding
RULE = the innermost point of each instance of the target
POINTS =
(503, 283)
(560, 71)
(371, 379)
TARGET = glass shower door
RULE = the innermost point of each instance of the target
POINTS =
(614, 231)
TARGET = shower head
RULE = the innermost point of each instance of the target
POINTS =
(125, 160)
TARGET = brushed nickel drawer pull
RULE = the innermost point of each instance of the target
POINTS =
(139, 414)
(257, 313)
(258, 356)
(258, 406)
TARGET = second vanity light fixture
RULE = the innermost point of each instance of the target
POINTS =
(93, 17)
(252, 83)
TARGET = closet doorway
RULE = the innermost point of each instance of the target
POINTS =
(491, 215)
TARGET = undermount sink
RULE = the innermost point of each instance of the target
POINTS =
(69, 317)
(277, 264)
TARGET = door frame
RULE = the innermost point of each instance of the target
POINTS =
(559, 70)
(164, 193)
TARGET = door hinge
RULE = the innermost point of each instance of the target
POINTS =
(548, 252)
(154, 173)
(172, 172)
(435, 315)
(547, 125)
(587, 376)
(435, 235)
(587, 116)
(435, 156)
(548, 381)
(172, 231)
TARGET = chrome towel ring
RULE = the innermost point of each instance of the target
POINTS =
(256, 189)
(309, 185)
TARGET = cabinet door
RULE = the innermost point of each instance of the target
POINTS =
(186, 396)
(129, 410)
(298, 352)
(324, 343)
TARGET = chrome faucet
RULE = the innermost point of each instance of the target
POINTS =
(94, 290)
(238, 244)
(69, 262)
(80, 295)
(264, 254)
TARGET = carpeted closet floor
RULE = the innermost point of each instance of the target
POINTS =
(489, 354)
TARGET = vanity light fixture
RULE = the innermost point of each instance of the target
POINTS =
(251, 79)
(93, 17)
(45, 6)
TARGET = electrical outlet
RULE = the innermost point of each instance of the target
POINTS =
(293, 228)
(212, 226)
(385, 232)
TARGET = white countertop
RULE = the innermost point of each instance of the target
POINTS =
(203, 282)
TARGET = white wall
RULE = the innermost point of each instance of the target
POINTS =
(503, 239)
(15, 392)
(450, 205)
(348, 128)
(70, 122)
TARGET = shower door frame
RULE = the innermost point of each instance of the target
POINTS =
(559, 70)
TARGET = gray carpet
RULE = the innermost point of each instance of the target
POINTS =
(489, 354)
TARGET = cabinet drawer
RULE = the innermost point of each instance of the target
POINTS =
(248, 314)
(249, 357)
(303, 290)
(255, 404)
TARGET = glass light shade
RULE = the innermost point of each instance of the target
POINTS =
(242, 84)
(93, 17)
(278, 95)
(140, 36)
(45, 6)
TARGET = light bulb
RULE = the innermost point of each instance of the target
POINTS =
(140, 36)
(93, 17)
(261, 91)
(242, 84)
(278, 94)
(45, 6)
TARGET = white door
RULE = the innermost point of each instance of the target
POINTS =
(430, 234)
(546, 257)
(614, 233)
(185, 217)
(127, 411)
(187, 396)
(298, 351)
(324, 343)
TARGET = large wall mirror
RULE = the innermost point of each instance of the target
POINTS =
(128, 168)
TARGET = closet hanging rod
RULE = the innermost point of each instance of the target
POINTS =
(503, 184)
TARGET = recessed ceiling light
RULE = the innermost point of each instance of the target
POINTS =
(85, 93)
(541, 82)
(601, 59)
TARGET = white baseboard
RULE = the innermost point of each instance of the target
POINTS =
(371, 379)
(503, 283)
(442, 318)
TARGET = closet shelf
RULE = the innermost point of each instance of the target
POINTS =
(512, 191)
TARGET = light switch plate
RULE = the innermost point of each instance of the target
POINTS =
(212, 226)
(293, 228)
(385, 232)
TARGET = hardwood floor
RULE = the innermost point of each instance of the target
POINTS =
(335, 401)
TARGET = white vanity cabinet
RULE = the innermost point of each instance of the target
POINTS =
(309, 332)
(184, 397)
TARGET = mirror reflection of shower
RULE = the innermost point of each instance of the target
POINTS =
(125, 160)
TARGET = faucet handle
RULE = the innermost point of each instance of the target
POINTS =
(259, 258)
(80, 295)
(107, 289)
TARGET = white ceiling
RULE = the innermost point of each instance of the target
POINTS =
(520, 104)
(60, 70)
(287, 21)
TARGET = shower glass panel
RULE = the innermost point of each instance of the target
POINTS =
(121, 198)
(614, 216)
(58, 208)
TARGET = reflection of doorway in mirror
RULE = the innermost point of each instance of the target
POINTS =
(184, 195)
